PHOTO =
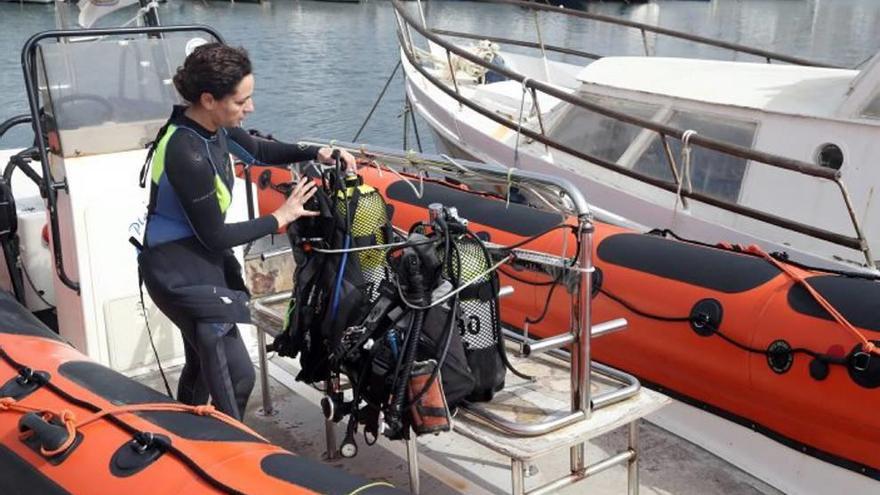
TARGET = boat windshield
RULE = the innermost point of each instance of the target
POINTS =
(597, 135)
(107, 94)
(713, 173)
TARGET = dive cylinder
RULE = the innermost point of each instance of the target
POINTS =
(479, 323)
(369, 226)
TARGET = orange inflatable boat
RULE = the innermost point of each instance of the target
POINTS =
(69, 425)
(785, 350)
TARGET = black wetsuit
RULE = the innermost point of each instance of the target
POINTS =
(187, 264)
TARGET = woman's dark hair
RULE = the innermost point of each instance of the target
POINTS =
(212, 68)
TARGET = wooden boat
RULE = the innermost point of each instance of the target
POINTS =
(784, 349)
(70, 425)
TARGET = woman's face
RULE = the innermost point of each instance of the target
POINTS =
(231, 110)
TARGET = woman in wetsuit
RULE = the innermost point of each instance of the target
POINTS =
(187, 263)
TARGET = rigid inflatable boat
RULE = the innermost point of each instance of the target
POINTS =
(70, 425)
(782, 349)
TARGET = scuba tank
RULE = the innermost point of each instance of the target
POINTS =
(480, 324)
(367, 226)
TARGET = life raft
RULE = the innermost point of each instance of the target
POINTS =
(783, 349)
(70, 425)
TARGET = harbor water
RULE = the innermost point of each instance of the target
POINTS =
(321, 65)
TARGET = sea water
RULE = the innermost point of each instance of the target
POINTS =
(320, 65)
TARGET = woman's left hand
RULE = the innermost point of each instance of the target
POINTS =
(325, 155)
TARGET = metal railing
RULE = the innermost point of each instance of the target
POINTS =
(407, 24)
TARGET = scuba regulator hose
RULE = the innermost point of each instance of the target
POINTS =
(416, 280)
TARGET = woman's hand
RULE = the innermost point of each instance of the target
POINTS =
(325, 155)
(294, 207)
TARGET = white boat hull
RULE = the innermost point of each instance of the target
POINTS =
(467, 134)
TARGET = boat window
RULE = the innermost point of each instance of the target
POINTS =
(872, 111)
(712, 172)
(596, 134)
(91, 88)
(830, 156)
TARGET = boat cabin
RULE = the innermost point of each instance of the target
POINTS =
(823, 116)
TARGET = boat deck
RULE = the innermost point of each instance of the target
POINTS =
(450, 463)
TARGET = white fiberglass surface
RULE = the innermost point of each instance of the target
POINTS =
(873, 109)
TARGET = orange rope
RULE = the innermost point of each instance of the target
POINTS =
(203, 410)
(66, 417)
(10, 404)
(867, 346)
(69, 419)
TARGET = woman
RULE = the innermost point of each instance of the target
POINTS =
(187, 264)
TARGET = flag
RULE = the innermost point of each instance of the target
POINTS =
(92, 10)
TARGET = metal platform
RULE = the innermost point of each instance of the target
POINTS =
(521, 402)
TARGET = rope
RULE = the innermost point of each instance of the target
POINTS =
(176, 452)
(376, 103)
(371, 485)
(868, 347)
(522, 104)
(68, 418)
(510, 171)
(359, 249)
(451, 293)
(38, 292)
(828, 358)
(421, 189)
(685, 167)
(65, 416)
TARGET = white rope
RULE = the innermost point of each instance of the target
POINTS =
(421, 189)
(509, 185)
(522, 104)
(509, 172)
(519, 122)
(441, 300)
(545, 200)
(685, 172)
(457, 165)
(359, 249)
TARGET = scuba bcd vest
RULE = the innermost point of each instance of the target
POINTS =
(391, 318)
(333, 291)
(166, 220)
(480, 322)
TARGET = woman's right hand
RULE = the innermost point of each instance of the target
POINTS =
(294, 207)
